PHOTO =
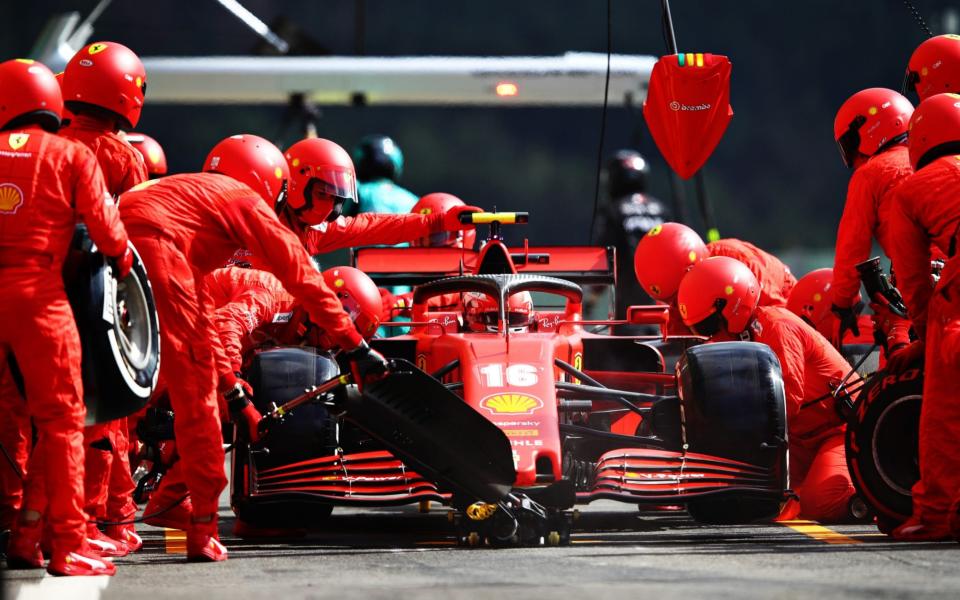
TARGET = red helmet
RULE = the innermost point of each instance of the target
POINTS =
(439, 202)
(253, 161)
(717, 287)
(151, 151)
(870, 120)
(482, 313)
(811, 297)
(29, 94)
(322, 179)
(109, 76)
(359, 296)
(934, 129)
(664, 255)
(934, 67)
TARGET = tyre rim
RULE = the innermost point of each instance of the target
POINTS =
(132, 323)
(898, 422)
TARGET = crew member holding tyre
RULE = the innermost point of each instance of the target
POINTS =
(47, 184)
(871, 132)
(104, 85)
(185, 226)
(927, 213)
(668, 251)
(718, 298)
(323, 179)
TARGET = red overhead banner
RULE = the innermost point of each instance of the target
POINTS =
(688, 108)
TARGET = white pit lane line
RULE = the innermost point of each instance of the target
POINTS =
(57, 588)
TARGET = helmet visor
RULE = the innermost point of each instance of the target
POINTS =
(849, 142)
(910, 79)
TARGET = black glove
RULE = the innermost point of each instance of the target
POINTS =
(848, 320)
(366, 363)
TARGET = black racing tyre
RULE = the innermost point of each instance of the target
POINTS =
(733, 407)
(310, 431)
(882, 442)
(119, 332)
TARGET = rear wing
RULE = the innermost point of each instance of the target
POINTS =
(583, 265)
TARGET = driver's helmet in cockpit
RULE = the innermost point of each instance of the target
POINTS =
(481, 312)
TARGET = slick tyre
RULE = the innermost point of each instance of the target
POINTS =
(733, 407)
(882, 443)
(119, 331)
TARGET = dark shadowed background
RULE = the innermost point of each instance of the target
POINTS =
(776, 178)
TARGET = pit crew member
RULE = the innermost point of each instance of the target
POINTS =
(719, 298)
(187, 225)
(47, 184)
(871, 132)
(927, 212)
(104, 85)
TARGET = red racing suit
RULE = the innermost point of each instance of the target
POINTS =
(775, 278)
(15, 434)
(46, 183)
(367, 229)
(249, 313)
(866, 215)
(927, 211)
(109, 485)
(122, 165)
(184, 227)
(810, 366)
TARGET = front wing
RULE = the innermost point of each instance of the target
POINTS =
(641, 475)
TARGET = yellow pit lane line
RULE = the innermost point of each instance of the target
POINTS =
(820, 533)
(176, 541)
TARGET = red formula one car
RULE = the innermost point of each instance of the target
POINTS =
(647, 420)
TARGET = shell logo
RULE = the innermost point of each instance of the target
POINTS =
(154, 155)
(10, 198)
(511, 404)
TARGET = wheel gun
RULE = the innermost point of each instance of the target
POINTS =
(879, 288)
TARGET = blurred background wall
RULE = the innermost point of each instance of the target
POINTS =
(776, 178)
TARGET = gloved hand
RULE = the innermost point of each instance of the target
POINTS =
(848, 321)
(891, 330)
(122, 264)
(230, 381)
(366, 364)
(903, 359)
(451, 218)
(242, 412)
(247, 415)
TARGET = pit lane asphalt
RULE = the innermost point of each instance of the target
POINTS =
(616, 552)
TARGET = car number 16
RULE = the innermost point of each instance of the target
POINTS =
(519, 375)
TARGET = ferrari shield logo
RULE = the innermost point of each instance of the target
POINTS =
(511, 404)
(17, 140)
(10, 198)
(96, 48)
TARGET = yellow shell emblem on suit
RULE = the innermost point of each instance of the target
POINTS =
(511, 404)
(10, 198)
